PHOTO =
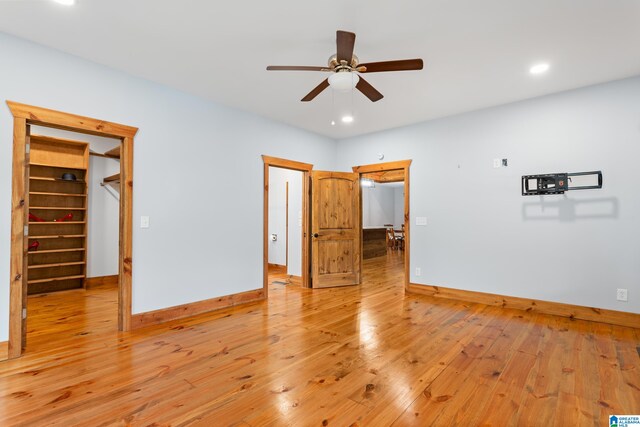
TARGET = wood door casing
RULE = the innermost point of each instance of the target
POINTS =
(24, 116)
(335, 227)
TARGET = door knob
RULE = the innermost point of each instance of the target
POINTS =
(316, 235)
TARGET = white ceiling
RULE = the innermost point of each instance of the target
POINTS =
(477, 53)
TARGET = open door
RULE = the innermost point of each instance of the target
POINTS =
(335, 226)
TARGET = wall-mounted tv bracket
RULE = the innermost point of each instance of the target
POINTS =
(556, 183)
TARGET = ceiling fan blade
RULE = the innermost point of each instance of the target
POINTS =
(401, 65)
(368, 90)
(345, 42)
(316, 91)
(295, 68)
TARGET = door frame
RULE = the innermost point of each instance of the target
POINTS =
(385, 167)
(305, 168)
(24, 116)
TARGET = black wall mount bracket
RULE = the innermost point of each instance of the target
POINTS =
(558, 183)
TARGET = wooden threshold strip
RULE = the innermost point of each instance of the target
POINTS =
(602, 315)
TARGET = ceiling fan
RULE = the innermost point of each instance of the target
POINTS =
(345, 69)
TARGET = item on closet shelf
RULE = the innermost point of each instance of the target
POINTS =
(67, 217)
(68, 177)
(33, 246)
(35, 218)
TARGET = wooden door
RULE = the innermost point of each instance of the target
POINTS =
(335, 229)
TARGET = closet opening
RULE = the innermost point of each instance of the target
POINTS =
(71, 227)
(72, 253)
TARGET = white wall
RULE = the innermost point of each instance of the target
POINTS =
(378, 206)
(104, 211)
(398, 207)
(184, 146)
(483, 235)
(278, 179)
(104, 206)
(296, 180)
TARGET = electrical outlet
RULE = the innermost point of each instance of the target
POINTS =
(418, 271)
(144, 222)
(621, 294)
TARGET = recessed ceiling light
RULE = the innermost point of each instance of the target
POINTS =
(347, 119)
(66, 2)
(539, 68)
(333, 122)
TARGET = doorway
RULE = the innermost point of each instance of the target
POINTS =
(287, 259)
(26, 116)
(72, 259)
(285, 226)
(384, 214)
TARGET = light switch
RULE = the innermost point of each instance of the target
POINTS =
(144, 222)
(421, 220)
(497, 163)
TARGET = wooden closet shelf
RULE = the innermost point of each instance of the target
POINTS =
(56, 166)
(44, 178)
(56, 208)
(58, 264)
(57, 222)
(60, 236)
(54, 279)
(112, 179)
(43, 193)
(115, 152)
(55, 251)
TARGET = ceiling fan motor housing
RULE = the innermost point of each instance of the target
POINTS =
(333, 62)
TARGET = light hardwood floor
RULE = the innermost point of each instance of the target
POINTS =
(361, 356)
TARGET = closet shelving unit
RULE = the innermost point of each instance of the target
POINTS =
(59, 263)
(113, 179)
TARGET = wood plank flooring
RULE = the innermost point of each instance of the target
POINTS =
(354, 356)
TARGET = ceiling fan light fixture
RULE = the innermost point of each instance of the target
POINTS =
(343, 81)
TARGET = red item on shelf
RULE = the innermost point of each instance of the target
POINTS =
(35, 218)
(67, 217)
(33, 246)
